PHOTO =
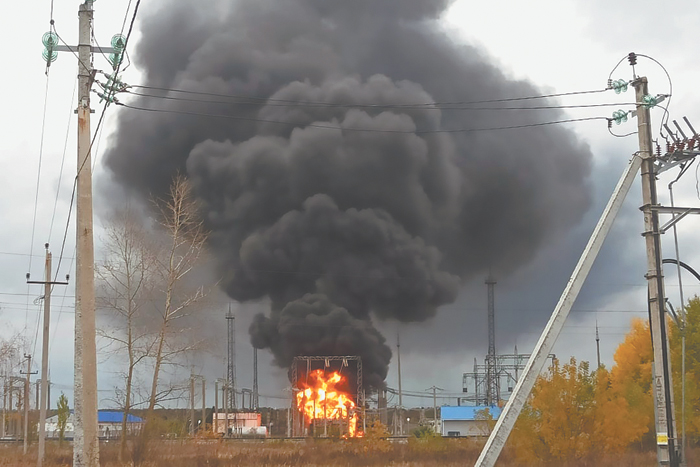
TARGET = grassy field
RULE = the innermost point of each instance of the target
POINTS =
(429, 453)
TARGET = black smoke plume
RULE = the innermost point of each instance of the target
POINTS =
(335, 225)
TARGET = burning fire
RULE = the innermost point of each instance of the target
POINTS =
(320, 400)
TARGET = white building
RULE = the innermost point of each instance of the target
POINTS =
(239, 424)
(109, 424)
(468, 420)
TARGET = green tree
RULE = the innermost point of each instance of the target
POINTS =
(63, 414)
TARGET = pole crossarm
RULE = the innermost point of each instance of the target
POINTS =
(74, 49)
(678, 212)
(47, 282)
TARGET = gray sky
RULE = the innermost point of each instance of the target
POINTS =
(559, 45)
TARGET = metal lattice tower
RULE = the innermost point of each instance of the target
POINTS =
(507, 369)
(231, 359)
(492, 386)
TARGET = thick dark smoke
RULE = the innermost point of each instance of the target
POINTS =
(335, 225)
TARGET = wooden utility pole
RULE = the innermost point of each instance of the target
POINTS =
(42, 396)
(663, 402)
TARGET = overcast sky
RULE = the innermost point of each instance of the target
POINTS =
(561, 46)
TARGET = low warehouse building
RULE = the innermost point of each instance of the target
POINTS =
(109, 425)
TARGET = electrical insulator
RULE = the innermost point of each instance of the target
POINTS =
(119, 44)
(620, 116)
(107, 97)
(50, 40)
(632, 57)
(619, 86)
(649, 101)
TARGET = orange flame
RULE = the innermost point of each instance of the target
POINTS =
(320, 399)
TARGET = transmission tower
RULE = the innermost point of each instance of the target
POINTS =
(492, 395)
(231, 360)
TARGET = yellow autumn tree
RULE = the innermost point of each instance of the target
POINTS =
(692, 370)
(616, 423)
(631, 375)
(557, 422)
(574, 414)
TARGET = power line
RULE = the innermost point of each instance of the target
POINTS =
(60, 310)
(426, 106)
(371, 130)
(97, 131)
(291, 101)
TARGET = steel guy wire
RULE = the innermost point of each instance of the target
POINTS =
(63, 159)
(36, 196)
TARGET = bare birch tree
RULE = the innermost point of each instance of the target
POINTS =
(124, 279)
(183, 249)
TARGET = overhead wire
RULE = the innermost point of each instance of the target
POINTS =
(664, 119)
(423, 106)
(97, 131)
(292, 101)
(38, 184)
(371, 130)
(621, 136)
(63, 159)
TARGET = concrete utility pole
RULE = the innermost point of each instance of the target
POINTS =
(665, 433)
(25, 401)
(398, 359)
(191, 404)
(204, 406)
(256, 395)
(597, 343)
(225, 390)
(231, 363)
(435, 388)
(42, 396)
(215, 416)
(4, 405)
(85, 440)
